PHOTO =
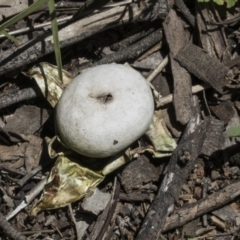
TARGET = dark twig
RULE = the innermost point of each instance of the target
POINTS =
(113, 205)
(12, 170)
(131, 39)
(203, 206)
(29, 175)
(36, 48)
(132, 51)
(182, 162)
(105, 218)
(185, 11)
(87, 4)
(9, 229)
(21, 95)
(226, 22)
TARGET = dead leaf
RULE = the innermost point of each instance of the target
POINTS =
(67, 183)
(46, 76)
(159, 135)
(26, 120)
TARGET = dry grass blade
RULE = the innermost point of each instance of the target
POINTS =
(6, 34)
(22, 14)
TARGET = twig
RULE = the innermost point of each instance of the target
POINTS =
(29, 175)
(28, 198)
(152, 50)
(87, 4)
(226, 22)
(79, 233)
(168, 99)
(113, 205)
(12, 170)
(158, 69)
(21, 95)
(9, 229)
(203, 206)
(105, 218)
(79, 30)
(38, 232)
(27, 29)
(181, 163)
(131, 39)
(132, 51)
(185, 11)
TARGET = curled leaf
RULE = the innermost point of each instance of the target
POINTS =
(47, 78)
(159, 135)
(67, 183)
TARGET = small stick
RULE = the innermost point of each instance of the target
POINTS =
(79, 235)
(29, 175)
(9, 229)
(21, 95)
(12, 170)
(181, 163)
(32, 50)
(38, 232)
(113, 205)
(203, 206)
(132, 51)
(28, 198)
(185, 11)
(168, 99)
(131, 39)
(226, 22)
(151, 51)
(28, 29)
(159, 68)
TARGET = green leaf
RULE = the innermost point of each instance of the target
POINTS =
(231, 3)
(57, 49)
(233, 131)
(219, 2)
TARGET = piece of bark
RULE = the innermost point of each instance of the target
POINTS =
(19, 96)
(181, 163)
(212, 38)
(185, 11)
(26, 120)
(9, 230)
(224, 111)
(190, 228)
(79, 30)
(96, 202)
(209, 203)
(227, 213)
(214, 138)
(176, 39)
(203, 66)
(143, 172)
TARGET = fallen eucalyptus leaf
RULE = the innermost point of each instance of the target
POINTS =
(67, 183)
(46, 76)
(159, 135)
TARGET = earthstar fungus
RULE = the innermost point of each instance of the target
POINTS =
(104, 110)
